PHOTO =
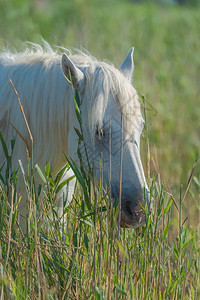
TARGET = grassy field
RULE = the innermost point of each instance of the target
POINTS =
(160, 261)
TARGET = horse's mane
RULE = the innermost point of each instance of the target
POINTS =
(31, 67)
(36, 53)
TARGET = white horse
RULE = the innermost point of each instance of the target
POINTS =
(47, 98)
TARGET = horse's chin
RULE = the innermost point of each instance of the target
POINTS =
(132, 226)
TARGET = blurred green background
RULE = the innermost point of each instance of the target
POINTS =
(166, 37)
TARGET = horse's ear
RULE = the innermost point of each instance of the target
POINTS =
(127, 66)
(73, 73)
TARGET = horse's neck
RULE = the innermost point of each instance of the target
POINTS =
(48, 104)
(57, 120)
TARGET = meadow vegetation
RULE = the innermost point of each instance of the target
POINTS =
(88, 260)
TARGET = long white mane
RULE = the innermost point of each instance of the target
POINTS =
(37, 75)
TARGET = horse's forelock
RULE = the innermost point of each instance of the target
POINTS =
(102, 81)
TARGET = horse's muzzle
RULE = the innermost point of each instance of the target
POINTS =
(132, 216)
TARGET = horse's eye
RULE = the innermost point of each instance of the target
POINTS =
(100, 134)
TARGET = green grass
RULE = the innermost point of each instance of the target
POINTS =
(91, 257)
(82, 262)
(161, 260)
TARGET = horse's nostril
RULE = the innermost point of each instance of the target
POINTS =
(132, 215)
(127, 208)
